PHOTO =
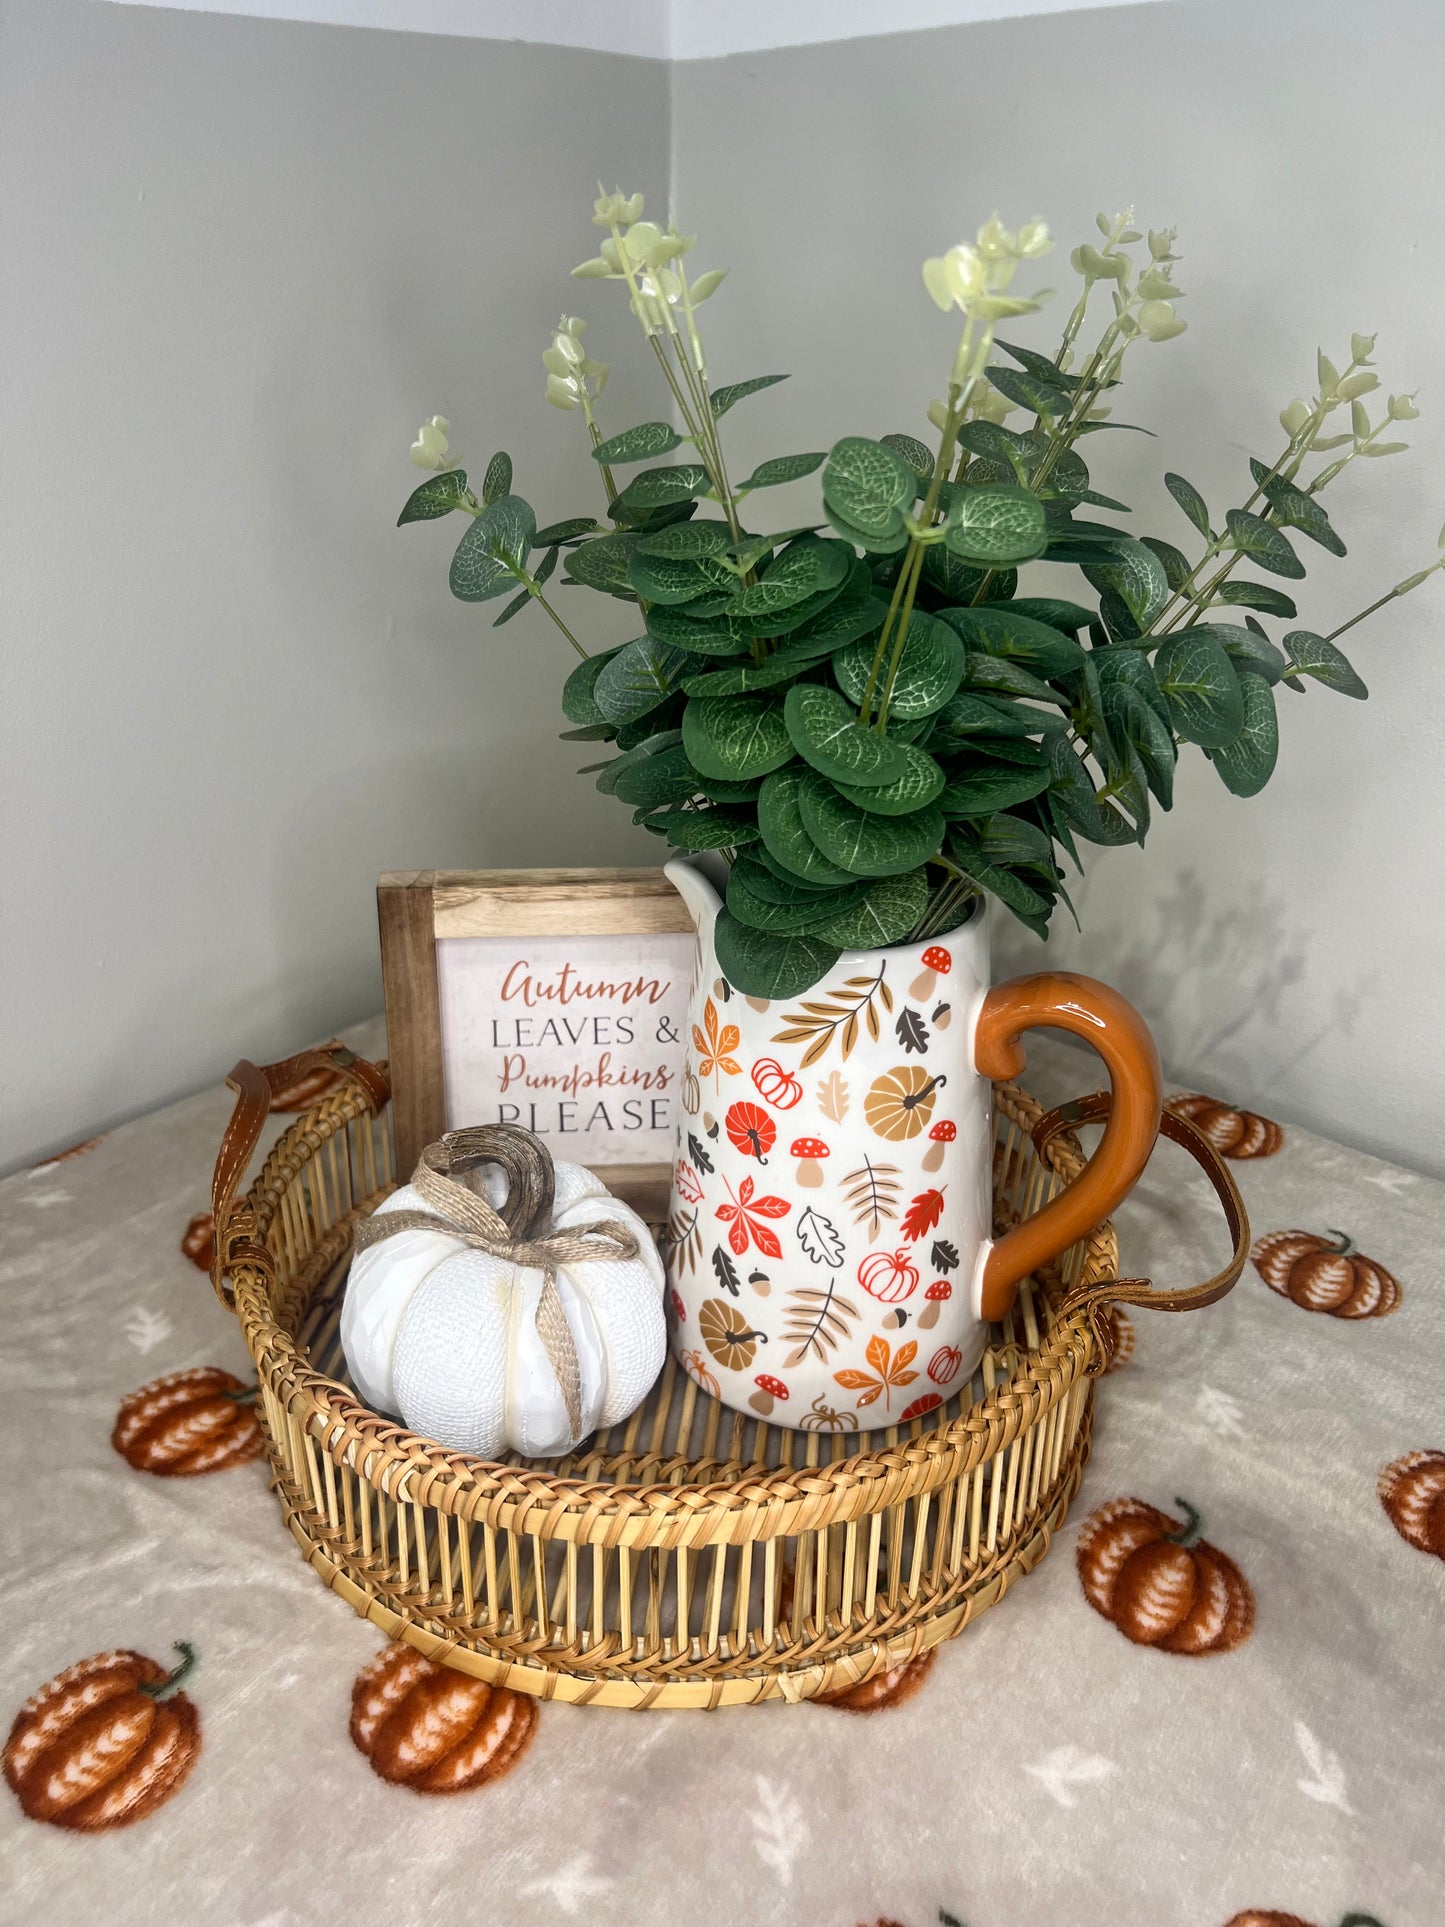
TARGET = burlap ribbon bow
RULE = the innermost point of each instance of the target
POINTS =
(460, 1212)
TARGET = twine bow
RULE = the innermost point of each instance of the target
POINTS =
(463, 1213)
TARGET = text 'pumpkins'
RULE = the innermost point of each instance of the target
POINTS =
(446, 1336)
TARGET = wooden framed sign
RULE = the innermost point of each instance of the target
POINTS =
(554, 999)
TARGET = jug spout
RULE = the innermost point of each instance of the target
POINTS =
(697, 890)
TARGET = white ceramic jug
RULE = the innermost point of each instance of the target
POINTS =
(829, 1244)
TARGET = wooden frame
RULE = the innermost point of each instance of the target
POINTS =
(420, 909)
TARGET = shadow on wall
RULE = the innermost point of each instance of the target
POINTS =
(1220, 984)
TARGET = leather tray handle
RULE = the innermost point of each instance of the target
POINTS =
(1096, 1299)
(1119, 1034)
(255, 1086)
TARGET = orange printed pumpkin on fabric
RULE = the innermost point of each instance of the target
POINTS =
(1412, 1491)
(198, 1243)
(433, 1729)
(104, 1743)
(1320, 1275)
(1257, 1917)
(888, 1688)
(1234, 1134)
(1160, 1583)
(190, 1422)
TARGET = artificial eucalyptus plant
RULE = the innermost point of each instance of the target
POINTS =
(864, 715)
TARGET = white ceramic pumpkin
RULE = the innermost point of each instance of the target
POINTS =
(445, 1336)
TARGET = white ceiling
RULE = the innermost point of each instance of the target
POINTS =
(656, 29)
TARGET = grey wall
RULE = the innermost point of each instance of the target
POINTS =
(242, 260)
(1290, 950)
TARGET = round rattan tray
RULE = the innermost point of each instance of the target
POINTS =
(692, 1556)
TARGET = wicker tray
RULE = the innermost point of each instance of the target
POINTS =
(692, 1556)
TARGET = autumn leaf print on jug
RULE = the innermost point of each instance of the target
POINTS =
(828, 1238)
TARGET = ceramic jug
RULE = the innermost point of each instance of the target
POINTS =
(828, 1244)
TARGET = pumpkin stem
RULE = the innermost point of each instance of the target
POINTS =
(243, 1395)
(1192, 1529)
(1360, 1920)
(162, 1689)
(1343, 1249)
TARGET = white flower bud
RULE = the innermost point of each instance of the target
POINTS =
(1155, 285)
(1360, 384)
(1161, 244)
(429, 450)
(938, 415)
(990, 406)
(1293, 418)
(1034, 239)
(956, 277)
(616, 209)
(1361, 347)
(1402, 408)
(1159, 321)
(1088, 261)
(562, 391)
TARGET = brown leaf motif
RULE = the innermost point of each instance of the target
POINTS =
(833, 1097)
(837, 1015)
(682, 1237)
(872, 1193)
(715, 1044)
(888, 1374)
(815, 1320)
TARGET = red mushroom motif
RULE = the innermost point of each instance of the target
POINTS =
(943, 1132)
(769, 1389)
(938, 1293)
(809, 1151)
(936, 963)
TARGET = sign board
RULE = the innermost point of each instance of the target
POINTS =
(553, 999)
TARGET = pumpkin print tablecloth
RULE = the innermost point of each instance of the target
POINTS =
(1217, 1703)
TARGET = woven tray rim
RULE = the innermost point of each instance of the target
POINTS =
(411, 1469)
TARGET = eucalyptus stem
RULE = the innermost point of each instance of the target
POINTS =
(534, 589)
(607, 482)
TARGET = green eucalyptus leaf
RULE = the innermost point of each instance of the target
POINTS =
(1263, 543)
(1071, 789)
(913, 452)
(1191, 501)
(746, 678)
(572, 531)
(828, 736)
(802, 911)
(920, 783)
(722, 399)
(1256, 595)
(1041, 395)
(1198, 682)
(1027, 904)
(804, 568)
(1177, 566)
(929, 669)
(437, 495)
(1134, 573)
(996, 526)
(1312, 655)
(1098, 501)
(1246, 648)
(782, 468)
(498, 479)
(509, 528)
(706, 638)
(951, 575)
(868, 486)
(579, 704)
(1003, 838)
(756, 869)
(1130, 667)
(1054, 611)
(663, 777)
(602, 563)
(770, 964)
(1041, 367)
(704, 829)
(641, 444)
(889, 544)
(514, 608)
(1001, 630)
(862, 843)
(477, 572)
(637, 678)
(1246, 764)
(785, 840)
(1133, 720)
(719, 790)
(735, 737)
(995, 675)
(884, 912)
(658, 487)
(687, 541)
(671, 579)
(1296, 509)
(992, 786)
